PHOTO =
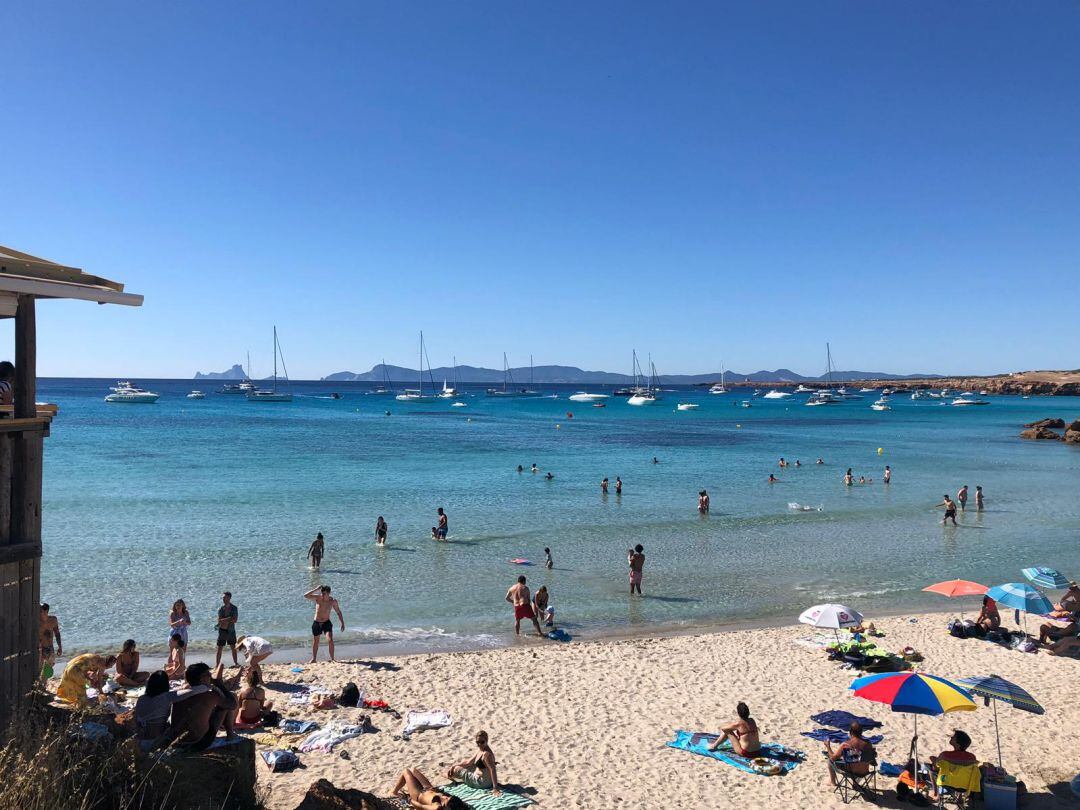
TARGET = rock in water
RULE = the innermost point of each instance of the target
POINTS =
(1046, 423)
(323, 795)
(1039, 433)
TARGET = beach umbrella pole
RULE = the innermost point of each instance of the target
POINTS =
(997, 733)
(915, 754)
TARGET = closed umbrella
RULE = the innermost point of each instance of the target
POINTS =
(831, 617)
(995, 688)
(957, 587)
(1020, 597)
(1047, 577)
(914, 693)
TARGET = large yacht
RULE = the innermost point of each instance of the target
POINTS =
(124, 391)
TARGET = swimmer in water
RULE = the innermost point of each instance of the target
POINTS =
(798, 463)
(618, 485)
(655, 460)
(548, 561)
(782, 463)
(772, 478)
(820, 461)
(520, 468)
(534, 468)
(862, 479)
(549, 476)
(603, 486)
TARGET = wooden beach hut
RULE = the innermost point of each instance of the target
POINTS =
(23, 427)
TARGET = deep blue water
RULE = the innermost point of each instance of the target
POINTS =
(146, 504)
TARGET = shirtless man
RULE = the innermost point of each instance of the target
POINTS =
(950, 510)
(201, 708)
(315, 551)
(518, 596)
(961, 497)
(979, 502)
(48, 628)
(443, 527)
(637, 564)
(888, 474)
(324, 603)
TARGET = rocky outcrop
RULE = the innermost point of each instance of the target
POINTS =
(324, 795)
(1046, 423)
(1039, 433)
(1072, 433)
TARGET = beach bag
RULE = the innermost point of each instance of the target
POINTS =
(957, 629)
(271, 718)
(350, 695)
(280, 761)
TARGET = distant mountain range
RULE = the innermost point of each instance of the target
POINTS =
(571, 375)
(235, 373)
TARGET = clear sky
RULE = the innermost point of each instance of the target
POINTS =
(700, 181)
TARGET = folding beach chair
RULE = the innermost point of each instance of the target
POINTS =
(955, 783)
(848, 785)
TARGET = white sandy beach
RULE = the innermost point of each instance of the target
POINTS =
(584, 724)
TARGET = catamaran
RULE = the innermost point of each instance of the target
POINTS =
(508, 389)
(417, 394)
(273, 395)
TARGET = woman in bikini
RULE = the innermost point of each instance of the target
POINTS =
(743, 734)
(422, 794)
(478, 771)
(252, 700)
(989, 618)
(176, 664)
(127, 666)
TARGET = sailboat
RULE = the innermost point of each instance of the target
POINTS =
(449, 392)
(509, 389)
(385, 387)
(825, 396)
(417, 394)
(244, 386)
(273, 395)
(719, 387)
(644, 394)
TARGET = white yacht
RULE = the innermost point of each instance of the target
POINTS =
(196, 395)
(124, 391)
(924, 394)
(272, 394)
(802, 389)
(719, 388)
(777, 395)
(645, 389)
(245, 386)
(746, 404)
(822, 398)
(867, 390)
(585, 396)
(458, 405)
(882, 404)
(968, 398)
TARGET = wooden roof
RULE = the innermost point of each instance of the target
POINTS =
(23, 274)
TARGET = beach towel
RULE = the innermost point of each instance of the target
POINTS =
(777, 756)
(326, 738)
(842, 720)
(814, 641)
(418, 720)
(832, 735)
(297, 726)
(481, 799)
(889, 769)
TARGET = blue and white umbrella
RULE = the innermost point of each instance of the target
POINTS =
(1020, 596)
(1047, 577)
(995, 688)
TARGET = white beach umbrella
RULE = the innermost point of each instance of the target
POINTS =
(831, 617)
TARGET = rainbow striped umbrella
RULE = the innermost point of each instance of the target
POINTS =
(914, 693)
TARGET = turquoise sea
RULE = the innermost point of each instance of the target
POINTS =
(145, 504)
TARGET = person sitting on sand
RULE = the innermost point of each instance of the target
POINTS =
(202, 708)
(854, 755)
(127, 666)
(423, 795)
(989, 618)
(152, 711)
(1069, 605)
(176, 664)
(743, 734)
(83, 669)
(252, 699)
(478, 771)
(1051, 632)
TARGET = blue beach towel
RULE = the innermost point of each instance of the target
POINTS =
(698, 743)
(832, 735)
(889, 769)
(481, 799)
(841, 720)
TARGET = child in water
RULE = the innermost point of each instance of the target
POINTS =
(548, 562)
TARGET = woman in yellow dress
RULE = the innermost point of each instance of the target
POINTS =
(73, 682)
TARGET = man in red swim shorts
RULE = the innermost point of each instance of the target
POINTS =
(519, 597)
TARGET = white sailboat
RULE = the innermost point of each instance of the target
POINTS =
(417, 394)
(450, 392)
(386, 387)
(645, 391)
(245, 385)
(719, 388)
(273, 395)
(825, 396)
(509, 388)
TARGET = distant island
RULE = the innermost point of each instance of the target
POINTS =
(235, 373)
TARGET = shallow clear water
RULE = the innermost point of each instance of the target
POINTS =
(146, 504)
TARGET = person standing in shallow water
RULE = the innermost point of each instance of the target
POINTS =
(604, 486)
(519, 597)
(380, 531)
(888, 474)
(978, 499)
(950, 510)
(618, 485)
(315, 550)
(703, 502)
(961, 497)
(636, 558)
(443, 527)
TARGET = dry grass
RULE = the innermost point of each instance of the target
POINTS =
(46, 765)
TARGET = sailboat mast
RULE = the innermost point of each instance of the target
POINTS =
(275, 359)
(421, 362)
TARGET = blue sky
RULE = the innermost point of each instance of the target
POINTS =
(699, 181)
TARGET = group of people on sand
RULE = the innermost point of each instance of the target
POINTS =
(961, 501)
(1057, 640)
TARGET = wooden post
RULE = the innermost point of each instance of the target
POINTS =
(25, 359)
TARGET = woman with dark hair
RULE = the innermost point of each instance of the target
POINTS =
(743, 734)
(179, 620)
(152, 710)
(477, 771)
(423, 795)
(989, 618)
(127, 666)
(177, 653)
(7, 383)
(81, 670)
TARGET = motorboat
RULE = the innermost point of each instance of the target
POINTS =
(968, 399)
(243, 387)
(746, 404)
(196, 395)
(642, 398)
(585, 396)
(124, 391)
(923, 394)
(335, 395)
(687, 406)
(778, 395)
(458, 405)
(802, 389)
(867, 390)
(882, 404)
(843, 394)
(273, 394)
(822, 398)
(599, 404)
